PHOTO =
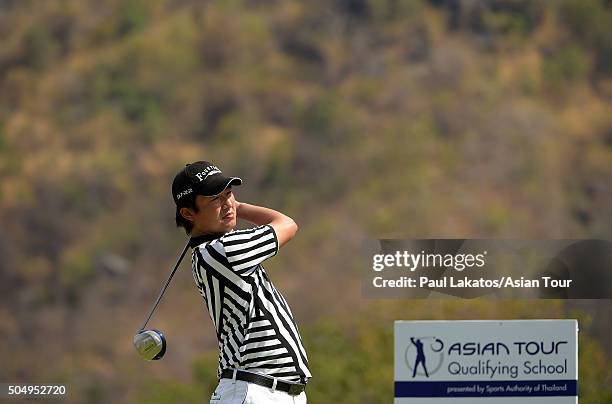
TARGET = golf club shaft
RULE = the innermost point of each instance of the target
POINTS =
(178, 262)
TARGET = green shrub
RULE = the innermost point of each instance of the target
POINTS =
(591, 23)
(131, 17)
(39, 48)
(567, 66)
(162, 392)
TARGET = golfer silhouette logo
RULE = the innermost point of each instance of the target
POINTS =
(420, 358)
(417, 352)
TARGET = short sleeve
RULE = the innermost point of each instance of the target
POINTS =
(250, 247)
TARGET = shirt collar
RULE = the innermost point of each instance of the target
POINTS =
(197, 240)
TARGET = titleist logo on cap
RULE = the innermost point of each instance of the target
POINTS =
(210, 170)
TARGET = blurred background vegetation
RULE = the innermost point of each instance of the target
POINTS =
(359, 118)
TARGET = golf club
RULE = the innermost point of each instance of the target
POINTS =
(151, 344)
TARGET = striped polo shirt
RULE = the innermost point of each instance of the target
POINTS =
(254, 324)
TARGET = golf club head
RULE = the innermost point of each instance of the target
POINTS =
(150, 344)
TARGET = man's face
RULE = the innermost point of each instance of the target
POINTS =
(215, 215)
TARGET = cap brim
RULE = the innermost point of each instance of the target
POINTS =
(218, 184)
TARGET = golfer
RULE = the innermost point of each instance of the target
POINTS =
(261, 355)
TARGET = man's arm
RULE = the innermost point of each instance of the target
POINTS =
(284, 226)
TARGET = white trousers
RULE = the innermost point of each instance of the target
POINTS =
(230, 391)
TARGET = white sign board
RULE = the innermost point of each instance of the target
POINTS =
(492, 362)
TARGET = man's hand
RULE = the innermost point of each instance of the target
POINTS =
(284, 226)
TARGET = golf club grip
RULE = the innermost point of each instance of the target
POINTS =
(178, 262)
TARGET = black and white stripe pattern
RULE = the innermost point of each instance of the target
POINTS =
(254, 324)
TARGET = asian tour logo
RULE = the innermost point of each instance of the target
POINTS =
(424, 356)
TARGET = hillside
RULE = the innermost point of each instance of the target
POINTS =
(358, 118)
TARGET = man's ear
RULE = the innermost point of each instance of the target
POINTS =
(187, 214)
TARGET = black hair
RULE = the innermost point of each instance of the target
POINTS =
(187, 201)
